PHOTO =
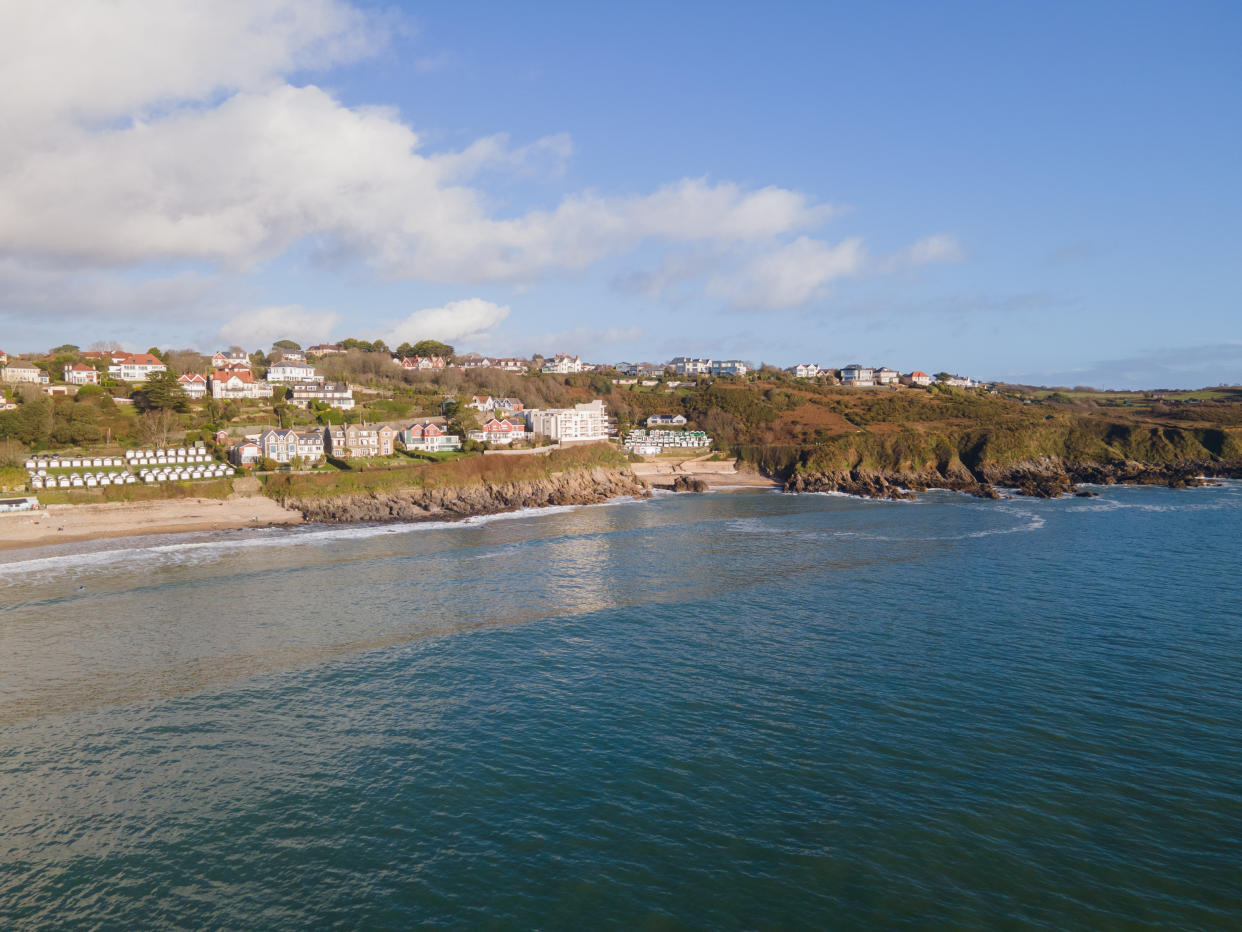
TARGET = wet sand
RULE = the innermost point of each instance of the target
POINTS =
(60, 524)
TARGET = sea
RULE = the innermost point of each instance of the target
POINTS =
(732, 710)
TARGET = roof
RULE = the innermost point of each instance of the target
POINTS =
(223, 375)
(136, 359)
(191, 377)
(916, 374)
(81, 367)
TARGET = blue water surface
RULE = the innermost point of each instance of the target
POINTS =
(732, 710)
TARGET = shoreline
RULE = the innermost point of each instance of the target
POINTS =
(71, 524)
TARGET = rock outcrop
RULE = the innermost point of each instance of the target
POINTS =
(572, 487)
(1049, 477)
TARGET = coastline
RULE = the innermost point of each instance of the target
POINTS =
(65, 524)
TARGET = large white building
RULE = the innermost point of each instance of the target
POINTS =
(24, 372)
(691, 365)
(134, 367)
(239, 383)
(563, 364)
(81, 374)
(287, 371)
(588, 421)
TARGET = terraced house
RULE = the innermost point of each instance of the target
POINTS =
(349, 441)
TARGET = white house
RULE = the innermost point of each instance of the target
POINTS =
(920, 378)
(582, 422)
(81, 374)
(193, 384)
(856, 376)
(691, 365)
(238, 383)
(886, 376)
(805, 370)
(24, 372)
(563, 364)
(285, 371)
(134, 367)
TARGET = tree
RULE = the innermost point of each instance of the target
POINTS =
(158, 353)
(431, 348)
(161, 391)
(64, 348)
(285, 345)
(943, 376)
(157, 426)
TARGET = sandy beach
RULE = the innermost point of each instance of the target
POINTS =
(717, 474)
(60, 524)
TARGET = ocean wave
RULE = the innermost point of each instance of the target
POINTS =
(315, 535)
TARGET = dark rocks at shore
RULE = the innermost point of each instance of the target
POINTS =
(689, 484)
(579, 487)
(1044, 478)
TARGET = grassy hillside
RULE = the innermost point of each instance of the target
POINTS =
(474, 470)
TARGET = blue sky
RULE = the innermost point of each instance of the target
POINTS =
(1042, 192)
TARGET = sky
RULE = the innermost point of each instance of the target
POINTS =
(1036, 192)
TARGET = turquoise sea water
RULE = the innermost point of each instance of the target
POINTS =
(732, 710)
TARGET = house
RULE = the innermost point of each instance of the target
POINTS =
(920, 378)
(857, 376)
(483, 403)
(666, 420)
(284, 371)
(135, 367)
(730, 367)
(421, 363)
(81, 374)
(429, 437)
(245, 454)
(285, 446)
(691, 365)
(310, 445)
(347, 441)
(582, 422)
(336, 394)
(805, 370)
(279, 444)
(227, 358)
(325, 349)
(292, 356)
(886, 376)
(501, 431)
(4, 358)
(510, 364)
(193, 384)
(238, 383)
(960, 381)
(24, 372)
(563, 364)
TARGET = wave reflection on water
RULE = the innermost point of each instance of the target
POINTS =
(742, 710)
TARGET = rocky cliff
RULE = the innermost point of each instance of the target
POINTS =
(1047, 477)
(572, 487)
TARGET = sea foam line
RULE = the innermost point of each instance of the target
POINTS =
(272, 537)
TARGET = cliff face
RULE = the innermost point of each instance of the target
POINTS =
(574, 487)
(1047, 477)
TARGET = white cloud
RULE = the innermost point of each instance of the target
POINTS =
(790, 275)
(937, 248)
(164, 131)
(470, 319)
(260, 327)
